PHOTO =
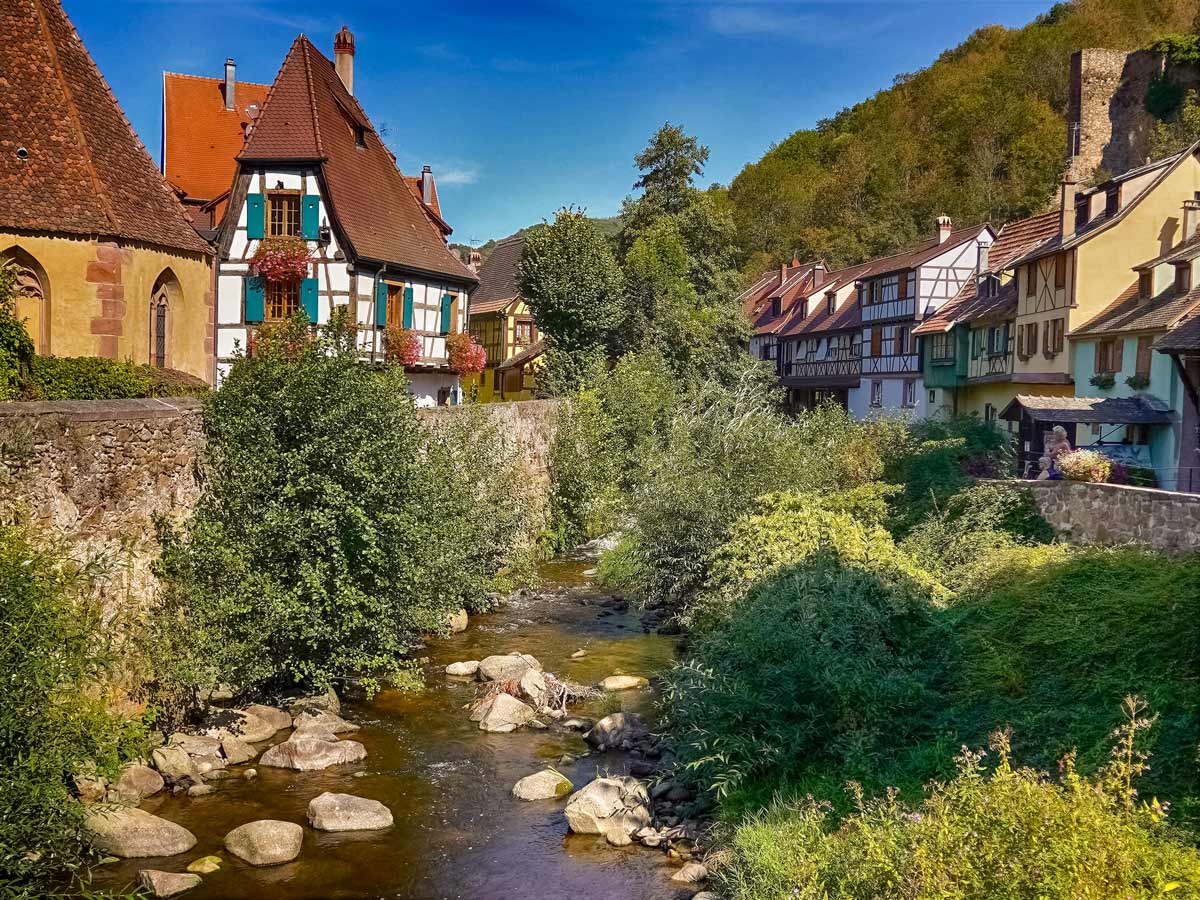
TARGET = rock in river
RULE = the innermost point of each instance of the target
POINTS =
(236, 751)
(174, 764)
(506, 668)
(345, 812)
(691, 873)
(205, 865)
(276, 718)
(458, 621)
(134, 833)
(327, 701)
(321, 720)
(463, 669)
(502, 713)
(623, 683)
(615, 807)
(223, 723)
(267, 842)
(615, 729)
(166, 884)
(544, 785)
(137, 782)
(310, 753)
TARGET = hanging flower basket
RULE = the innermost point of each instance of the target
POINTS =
(281, 259)
(401, 346)
(465, 355)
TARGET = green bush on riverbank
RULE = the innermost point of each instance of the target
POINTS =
(333, 530)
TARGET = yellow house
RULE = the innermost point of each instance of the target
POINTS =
(108, 261)
(504, 327)
(1104, 232)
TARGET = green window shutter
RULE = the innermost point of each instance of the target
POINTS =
(308, 298)
(408, 307)
(255, 216)
(310, 222)
(381, 311)
(447, 300)
(255, 299)
(453, 397)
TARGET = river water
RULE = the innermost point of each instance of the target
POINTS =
(457, 833)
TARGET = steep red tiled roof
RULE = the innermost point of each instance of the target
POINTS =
(847, 315)
(924, 251)
(1131, 313)
(85, 172)
(201, 138)
(759, 304)
(309, 116)
(414, 185)
(498, 277)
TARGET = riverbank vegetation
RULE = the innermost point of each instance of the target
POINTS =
(861, 608)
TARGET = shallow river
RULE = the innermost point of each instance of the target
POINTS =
(457, 832)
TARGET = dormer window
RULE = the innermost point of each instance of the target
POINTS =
(1145, 285)
(1112, 200)
(1183, 278)
(1082, 210)
(360, 136)
(830, 302)
(776, 306)
(988, 286)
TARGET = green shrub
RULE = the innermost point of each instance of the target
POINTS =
(1085, 465)
(586, 467)
(832, 663)
(53, 719)
(92, 378)
(333, 531)
(1008, 833)
(16, 349)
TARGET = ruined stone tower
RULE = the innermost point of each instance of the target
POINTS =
(1107, 123)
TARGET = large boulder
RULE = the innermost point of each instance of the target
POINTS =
(463, 669)
(623, 683)
(166, 884)
(533, 688)
(237, 751)
(244, 726)
(345, 812)
(506, 668)
(134, 833)
(458, 621)
(327, 702)
(195, 744)
(311, 753)
(276, 718)
(267, 842)
(174, 764)
(691, 873)
(137, 782)
(321, 720)
(616, 807)
(614, 730)
(544, 785)
(502, 713)
(89, 784)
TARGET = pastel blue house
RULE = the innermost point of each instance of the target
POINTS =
(1113, 356)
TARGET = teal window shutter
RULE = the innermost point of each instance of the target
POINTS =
(256, 218)
(381, 311)
(408, 307)
(310, 221)
(454, 396)
(308, 298)
(447, 300)
(255, 302)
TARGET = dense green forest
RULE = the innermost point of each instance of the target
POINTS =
(979, 135)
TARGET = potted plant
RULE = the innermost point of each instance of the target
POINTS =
(1104, 380)
(1085, 465)
(281, 259)
(465, 355)
(1138, 382)
(401, 346)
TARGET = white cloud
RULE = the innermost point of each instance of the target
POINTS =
(456, 176)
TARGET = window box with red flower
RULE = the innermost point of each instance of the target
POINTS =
(465, 355)
(281, 259)
(401, 346)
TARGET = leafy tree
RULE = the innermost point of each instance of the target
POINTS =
(668, 164)
(333, 530)
(571, 281)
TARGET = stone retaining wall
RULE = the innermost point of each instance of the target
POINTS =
(1117, 514)
(97, 473)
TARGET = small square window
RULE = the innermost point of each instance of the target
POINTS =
(876, 393)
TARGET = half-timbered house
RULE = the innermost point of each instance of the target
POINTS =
(768, 304)
(315, 170)
(503, 325)
(897, 294)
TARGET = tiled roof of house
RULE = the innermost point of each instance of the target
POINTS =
(82, 170)
(924, 251)
(498, 277)
(819, 320)
(414, 185)
(1014, 240)
(785, 286)
(201, 138)
(1129, 312)
(1101, 410)
(530, 353)
(309, 116)
(1183, 338)
(1184, 251)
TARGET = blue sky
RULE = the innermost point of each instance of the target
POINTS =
(525, 107)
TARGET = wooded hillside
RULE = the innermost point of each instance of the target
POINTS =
(979, 135)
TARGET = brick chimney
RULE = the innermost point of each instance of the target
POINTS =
(230, 86)
(1191, 218)
(427, 186)
(943, 228)
(783, 267)
(981, 265)
(1066, 211)
(343, 57)
(818, 274)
